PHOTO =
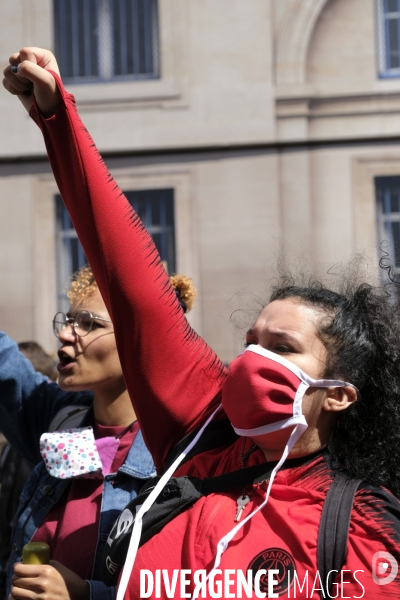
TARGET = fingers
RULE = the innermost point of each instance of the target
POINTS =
(14, 61)
(75, 585)
(20, 594)
(30, 581)
(31, 72)
(14, 83)
(39, 56)
(22, 75)
(28, 592)
(29, 69)
(24, 587)
(21, 570)
(17, 86)
(43, 58)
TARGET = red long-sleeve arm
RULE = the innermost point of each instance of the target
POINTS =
(172, 375)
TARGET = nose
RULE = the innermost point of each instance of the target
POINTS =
(68, 334)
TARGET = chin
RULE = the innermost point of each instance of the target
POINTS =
(69, 385)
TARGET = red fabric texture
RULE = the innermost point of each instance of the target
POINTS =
(180, 378)
(71, 526)
(282, 536)
(265, 385)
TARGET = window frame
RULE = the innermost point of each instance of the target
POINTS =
(383, 40)
(386, 217)
(66, 234)
(102, 18)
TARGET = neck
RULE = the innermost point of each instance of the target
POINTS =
(296, 452)
(113, 409)
(313, 440)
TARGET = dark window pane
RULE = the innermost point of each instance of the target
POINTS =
(393, 44)
(117, 31)
(142, 49)
(69, 252)
(80, 42)
(394, 199)
(106, 39)
(157, 240)
(396, 241)
(156, 209)
(148, 63)
(75, 32)
(388, 217)
(94, 40)
(74, 254)
(156, 212)
(135, 48)
(129, 38)
(132, 43)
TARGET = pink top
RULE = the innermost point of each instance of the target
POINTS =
(71, 526)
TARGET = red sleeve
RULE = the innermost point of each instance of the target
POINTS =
(172, 375)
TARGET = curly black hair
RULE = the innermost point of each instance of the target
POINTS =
(360, 328)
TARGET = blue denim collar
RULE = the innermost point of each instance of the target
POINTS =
(139, 462)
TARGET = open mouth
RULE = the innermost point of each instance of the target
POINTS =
(65, 363)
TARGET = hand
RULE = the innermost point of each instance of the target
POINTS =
(32, 75)
(47, 582)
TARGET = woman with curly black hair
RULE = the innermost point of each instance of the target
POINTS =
(315, 392)
(360, 330)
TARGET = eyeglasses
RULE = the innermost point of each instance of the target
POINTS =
(82, 322)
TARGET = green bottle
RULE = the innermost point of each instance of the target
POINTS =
(36, 553)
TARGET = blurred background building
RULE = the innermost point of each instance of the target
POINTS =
(239, 129)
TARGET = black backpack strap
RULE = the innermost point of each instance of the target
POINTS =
(177, 496)
(215, 435)
(334, 529)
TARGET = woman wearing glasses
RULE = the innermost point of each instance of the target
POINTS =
(75, 515)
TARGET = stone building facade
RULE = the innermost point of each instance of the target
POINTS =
(271, 122)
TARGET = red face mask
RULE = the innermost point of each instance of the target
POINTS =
(263, 392)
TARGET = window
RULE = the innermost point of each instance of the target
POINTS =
(156, 210)
(106, 40)
(70, 256)
(388, 16)
(388, 211)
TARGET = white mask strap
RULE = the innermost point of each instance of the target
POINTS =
(296, 370)
(284, 423)
(223, 543)
(137, 527)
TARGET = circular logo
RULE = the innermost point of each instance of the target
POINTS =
(279, 560)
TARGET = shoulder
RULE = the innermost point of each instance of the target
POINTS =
(374, 540)
(375, 509)
(379, 510)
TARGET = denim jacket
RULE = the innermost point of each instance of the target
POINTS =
(28, 403)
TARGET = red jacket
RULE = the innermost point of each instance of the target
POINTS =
(172, 373)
